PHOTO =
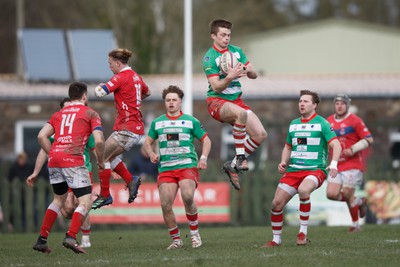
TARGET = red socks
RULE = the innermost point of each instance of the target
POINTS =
(104, 177)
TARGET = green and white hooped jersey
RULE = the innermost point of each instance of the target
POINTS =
(175, 137)
(211, 67)
(309, 141)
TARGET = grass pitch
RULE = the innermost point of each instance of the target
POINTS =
(375, 245)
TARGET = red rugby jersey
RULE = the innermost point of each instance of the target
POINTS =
(128, 88)
(349, 131)
(72, 125)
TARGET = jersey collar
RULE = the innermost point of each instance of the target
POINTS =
(126, 68)
(220, 51)
(307, 120)
(174, 117)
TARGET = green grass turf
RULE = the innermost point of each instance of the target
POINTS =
(375, 245)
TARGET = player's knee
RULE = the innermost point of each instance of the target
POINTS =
(166, 207)
(242, 116)
(333, 192)
(67, 212)
(277, 204)
(262, 136)
(332, 195)
(304, 192)
(187, 200)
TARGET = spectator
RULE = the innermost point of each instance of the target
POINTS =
(21, 168)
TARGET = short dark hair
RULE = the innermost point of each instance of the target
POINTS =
(219, 23)
(62, 102)
(172, 89)
(121, 54)
(314, 95)
(77, 90)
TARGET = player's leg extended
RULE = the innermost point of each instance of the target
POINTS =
(84, 197)
(85, 229)
(353, 203)
(256, 131)
(283, 194)
(124, 141)
(111, 150)
(60, 194)
(167, 192)
(237, 117)
(308, 185)
(69, 206)
(188, 188)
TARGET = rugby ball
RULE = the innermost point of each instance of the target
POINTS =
(227, 59)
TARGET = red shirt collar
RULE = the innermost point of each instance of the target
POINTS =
(220, 51)
(307, 120)
(176, 117)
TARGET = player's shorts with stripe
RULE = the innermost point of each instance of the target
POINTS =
(126, 139)
(350, 178)
(76, 177)
(175, 176)
(291, 181)
(214, 105)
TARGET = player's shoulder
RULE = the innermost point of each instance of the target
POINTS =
(90, 111)
(296, 121)
(321, 119)
(234, 48)
(161, 118)
(210, 54)
(188, 117)
(354, 117)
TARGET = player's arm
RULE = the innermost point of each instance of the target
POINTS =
(43, 137)
(285, 157)
(219, 85)
(146, 92)
(205, 151)
(40, 160)
(250, 71)
(101, 90)
(362, 144)
(148, 149)
(144, 96)
(336, 151)
(99, 147)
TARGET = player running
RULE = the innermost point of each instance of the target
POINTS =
(71, 202)
(354, 138)
(71, 127)
(179, 166)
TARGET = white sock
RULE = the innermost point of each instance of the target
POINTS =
(277, 239)
(303, 229)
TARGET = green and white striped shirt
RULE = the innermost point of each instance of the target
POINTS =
(175, 136)
(211, 61)
(309, 141)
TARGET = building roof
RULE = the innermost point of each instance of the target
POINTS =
(325, 46)
(274, 86)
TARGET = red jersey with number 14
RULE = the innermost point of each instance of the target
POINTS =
(72, 126)
(128, 88)
(349, 131)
